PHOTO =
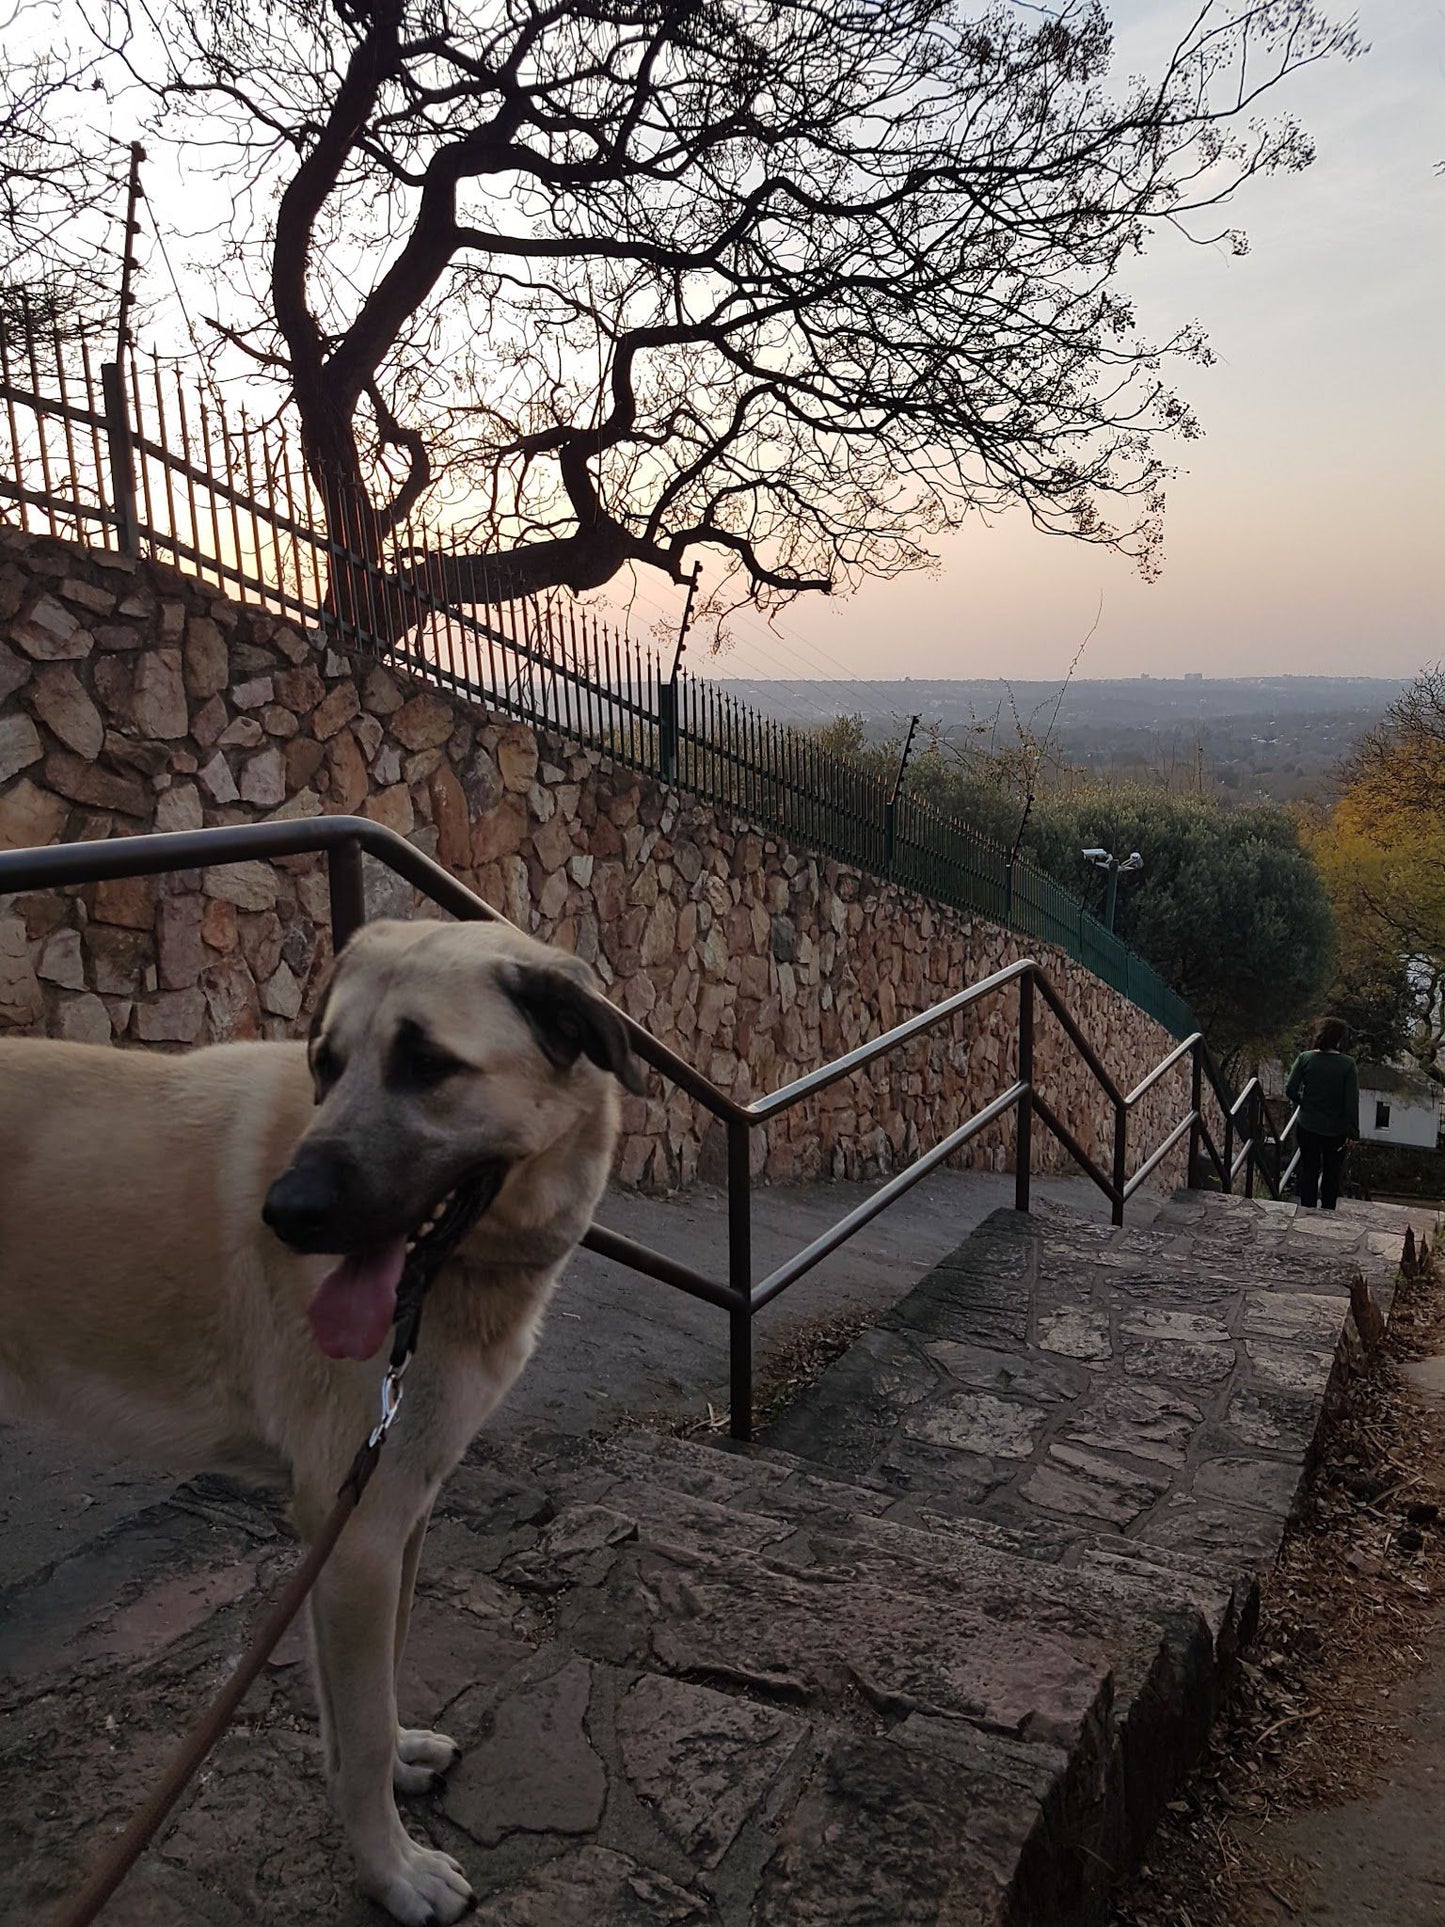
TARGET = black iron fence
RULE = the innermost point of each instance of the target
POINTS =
(136, 457)
(1252, 1144)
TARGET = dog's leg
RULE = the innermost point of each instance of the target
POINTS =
(354, 1617)
(422, 1757)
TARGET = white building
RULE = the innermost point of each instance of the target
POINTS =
(1398, 1107)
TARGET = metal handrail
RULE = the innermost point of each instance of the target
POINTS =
(343, 840)
(827, 1242)
(1147, 1084)
(763, 1108)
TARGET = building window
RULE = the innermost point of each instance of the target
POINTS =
(1382, 1115)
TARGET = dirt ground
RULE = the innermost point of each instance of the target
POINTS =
(1321, 1798)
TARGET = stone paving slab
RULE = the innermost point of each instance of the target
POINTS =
(936, 1652)
(1162, 1385)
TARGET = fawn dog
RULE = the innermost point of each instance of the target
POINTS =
(200, 1256)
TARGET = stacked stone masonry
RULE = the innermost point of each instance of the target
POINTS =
(133, 698)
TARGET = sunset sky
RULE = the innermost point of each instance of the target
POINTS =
(1308, 532)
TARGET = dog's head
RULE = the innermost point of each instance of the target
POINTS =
(448, 1060)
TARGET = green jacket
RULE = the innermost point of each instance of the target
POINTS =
(1324, 1085)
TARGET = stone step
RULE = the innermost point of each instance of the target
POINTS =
(767, 1480)
(768, 1580)
(1072, 1380)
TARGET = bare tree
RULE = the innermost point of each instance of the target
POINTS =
(57, 172)
(800, 282)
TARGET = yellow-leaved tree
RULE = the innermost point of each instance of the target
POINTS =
(1382, 855)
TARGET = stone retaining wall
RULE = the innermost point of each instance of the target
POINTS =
(134, 698)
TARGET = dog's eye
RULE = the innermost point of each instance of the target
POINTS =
(416, 1063)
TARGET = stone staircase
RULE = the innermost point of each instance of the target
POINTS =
(936, 1651)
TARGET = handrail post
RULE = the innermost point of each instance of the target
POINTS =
(1121, 1159)
(348, 893)
(1228, 1151)
(740, 1278)
(1254, 1127)
(1196, 1104)
(1267, 1146)
(1024, 1121)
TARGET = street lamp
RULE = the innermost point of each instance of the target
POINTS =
(1105, 860)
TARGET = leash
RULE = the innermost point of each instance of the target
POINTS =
(425, 1258)
(143, 1826)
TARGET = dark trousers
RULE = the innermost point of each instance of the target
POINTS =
(1320, 1160)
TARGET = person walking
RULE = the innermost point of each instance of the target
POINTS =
(1324, 1084)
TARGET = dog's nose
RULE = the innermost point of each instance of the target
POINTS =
(308, 1205)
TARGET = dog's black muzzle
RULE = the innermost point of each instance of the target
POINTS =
(319, 1204)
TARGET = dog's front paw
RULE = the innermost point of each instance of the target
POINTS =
(422, 1759)
(421, 1886)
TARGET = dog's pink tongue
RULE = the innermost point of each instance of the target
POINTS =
(354, 1305)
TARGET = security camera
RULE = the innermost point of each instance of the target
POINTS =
(1133, 861)
(1095, 855)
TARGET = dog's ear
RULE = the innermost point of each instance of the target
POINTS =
(569, 1020)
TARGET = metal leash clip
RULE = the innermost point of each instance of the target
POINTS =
(391, 1395)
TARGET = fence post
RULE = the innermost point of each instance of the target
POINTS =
(1196, 1103)
(1249, 1162)
(1024, 1121)
(348, 893)
(740, 1277)
(1228, 1151)
(667, 730)
(890, 833)
(120, 446)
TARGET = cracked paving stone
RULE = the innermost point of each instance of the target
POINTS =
(1289, 1367)
(1177, 1358)
(1326, 1227)
(1017, 1374)
(913, 1466)
(997, 1428)
(1143, 1420)
(703, 1761)
(1081, 1482)
(889, 1833)
(266, 1789)
(594, 1887)
(1076, 1333)
(533, 1770)
(1190, 1326)
(1269, 1484)
(1305, 1317)
(1270, 1419)
(1206, 1527)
